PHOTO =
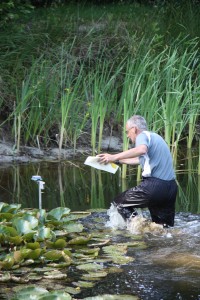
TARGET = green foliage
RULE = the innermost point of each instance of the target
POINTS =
(11, 10)
(89, 63)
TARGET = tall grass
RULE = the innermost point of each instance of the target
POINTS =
(78, 77)
(71, 97)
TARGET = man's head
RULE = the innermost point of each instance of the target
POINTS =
(134, 126)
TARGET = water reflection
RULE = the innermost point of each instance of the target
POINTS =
(167, 269)
(79, 187)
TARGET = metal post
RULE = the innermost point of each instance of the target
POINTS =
(40, 183)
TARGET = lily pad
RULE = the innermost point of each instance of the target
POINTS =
(135, 244)
(58, 265)
(53, 255)
(84, 284)
(5, 277)
(98, 274)
(7, 263)
(58, 244)
(33, 246)
(43, 233)
(55, 274)
(58, 212)
(115, 270)
(73, 227)
(5, 216)
(8, 230)
(15, 240)
(22, 226)
(56, 296)
(122, 260)
(72, 290)
(115, 249)
(112, 297)
(90, 267)
(80, 240)
(9, 208)
(27, 293)
(100, 242)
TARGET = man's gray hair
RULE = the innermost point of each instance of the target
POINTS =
(137, 121)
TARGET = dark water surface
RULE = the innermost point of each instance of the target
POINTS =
(168, 269)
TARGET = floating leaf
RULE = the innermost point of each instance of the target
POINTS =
(5, 216)
(99, 243)
(19, 279)
(68, 252)
(73, 227)
(58, 213)
(54, 275)
(66, 258)
(22, 226)
(90, 267)
(2, 204)
(18, 257)
(27, 293)
(93, 251)
(5, 277)
(10, 208)
(112, 297)
(42, 270)
(7, 263)
(28, 237)
(16, 240)
(84, 284)
(43, 233)
(35, 254)
(41, 215)
(138, 245)
(59, 244)
(28, 262)
(53, 255)
(119, 259)
(25, 252)
(98, 274)
(72, 290)
(115, 270)
(56, 296)
(10, 231)
(31, 219)
(34, 277)
(58, 265)
(33, 246)
(115, 249)
(60, 233)
(80, 240)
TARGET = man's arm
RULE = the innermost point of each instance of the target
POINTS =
(128, 154)
(130, 161)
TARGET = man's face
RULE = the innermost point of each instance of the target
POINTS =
(131, 133)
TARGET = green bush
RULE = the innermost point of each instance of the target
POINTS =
(12, 9)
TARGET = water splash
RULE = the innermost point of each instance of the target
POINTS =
(115, 219)
(141, 225)
(137, 225)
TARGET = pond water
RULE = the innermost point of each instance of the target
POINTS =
(168, 269)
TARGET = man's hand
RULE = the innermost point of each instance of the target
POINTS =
(106, 158)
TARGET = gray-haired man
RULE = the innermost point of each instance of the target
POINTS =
(158, 187)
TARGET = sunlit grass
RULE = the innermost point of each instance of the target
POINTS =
(68, 69)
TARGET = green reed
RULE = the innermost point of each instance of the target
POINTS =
(199, 161)
(24, 98)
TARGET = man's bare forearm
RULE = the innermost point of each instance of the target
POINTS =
(130, 161)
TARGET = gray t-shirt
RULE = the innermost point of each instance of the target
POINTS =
(158, 160)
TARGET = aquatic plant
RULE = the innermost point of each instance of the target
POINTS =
(51, 242)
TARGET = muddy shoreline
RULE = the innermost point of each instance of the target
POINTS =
(8, 154)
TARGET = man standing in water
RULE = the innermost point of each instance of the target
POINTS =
(158, 187)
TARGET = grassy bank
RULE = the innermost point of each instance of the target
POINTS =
(70, 73)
